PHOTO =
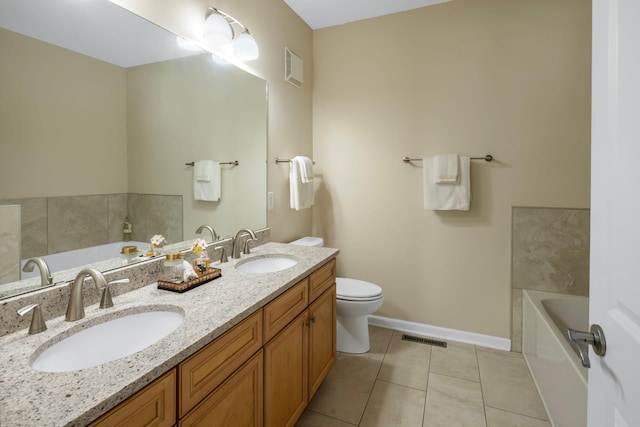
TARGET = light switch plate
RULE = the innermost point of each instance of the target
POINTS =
(270, 201)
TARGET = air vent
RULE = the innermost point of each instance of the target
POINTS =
(423, 340)
(293, 67)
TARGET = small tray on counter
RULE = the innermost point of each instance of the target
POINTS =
(211, 274)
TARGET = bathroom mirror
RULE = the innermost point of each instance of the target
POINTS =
(101, 112)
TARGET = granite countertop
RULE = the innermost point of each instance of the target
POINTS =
(32, 398)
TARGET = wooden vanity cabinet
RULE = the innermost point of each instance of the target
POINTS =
(263, 371)
(299, 357)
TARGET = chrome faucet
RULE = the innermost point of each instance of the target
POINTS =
(214, 235)
(45, 275)
(235, 249)
(75, 309)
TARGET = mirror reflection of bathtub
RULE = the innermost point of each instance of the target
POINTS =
(553, 362)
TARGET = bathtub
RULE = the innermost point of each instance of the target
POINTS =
(553, 362)
(80, 257)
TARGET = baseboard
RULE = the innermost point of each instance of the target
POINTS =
(441, 333)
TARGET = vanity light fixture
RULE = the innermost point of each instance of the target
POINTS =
(219, 32)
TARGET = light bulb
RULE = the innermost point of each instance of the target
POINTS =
(217, 30)
(245, 47)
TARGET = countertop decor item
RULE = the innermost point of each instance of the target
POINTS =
(181, 287)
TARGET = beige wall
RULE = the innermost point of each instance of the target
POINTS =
(509, 78)
(274, 26)
(61, 133)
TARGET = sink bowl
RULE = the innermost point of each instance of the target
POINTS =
(266, 264)
(108, 341)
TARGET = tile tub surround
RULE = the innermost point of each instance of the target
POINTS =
(549, 252)
(9, 252)
(57, 224)
(31, 398)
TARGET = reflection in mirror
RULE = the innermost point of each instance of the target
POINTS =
(97, 127)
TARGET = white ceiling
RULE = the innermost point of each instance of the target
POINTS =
(326, 13)
(96, 28)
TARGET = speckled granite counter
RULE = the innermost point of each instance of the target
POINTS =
(31, 398)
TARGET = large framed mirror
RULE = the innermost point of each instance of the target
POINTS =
(101, 114)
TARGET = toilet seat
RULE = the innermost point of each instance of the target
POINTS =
(357, 290)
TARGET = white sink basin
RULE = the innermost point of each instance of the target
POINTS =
(108, 341)
(266, 264)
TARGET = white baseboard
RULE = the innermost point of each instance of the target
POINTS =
(442, 333)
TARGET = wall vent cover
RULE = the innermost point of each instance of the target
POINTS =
(422, 340)
(293, 68)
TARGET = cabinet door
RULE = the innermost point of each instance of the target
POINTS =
(200, 374)
(286, 370)
(154, 405)
(237, 402)
(322, 338)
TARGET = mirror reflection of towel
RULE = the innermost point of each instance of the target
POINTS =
(206, 180)
(301, 183)
(449, 196)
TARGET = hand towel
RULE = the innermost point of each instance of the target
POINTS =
(455, 196)
(207, 190)
(301, 193)
(202, 170)
(447, 169)
(306, 172)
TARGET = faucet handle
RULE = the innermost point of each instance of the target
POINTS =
(105, 299)
(37, 320)
(247, 250)
(223, 254)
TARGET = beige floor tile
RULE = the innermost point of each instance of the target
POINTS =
(514, 354)
(507, 385)
(406, 363)
(453, 402)
(345, 391)
(394, 405)
(379, 341)
(500, 418)
(312, 419)
(455, 361)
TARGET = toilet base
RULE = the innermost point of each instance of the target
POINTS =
(352, 334)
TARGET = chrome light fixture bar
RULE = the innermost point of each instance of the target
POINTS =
(220, 31)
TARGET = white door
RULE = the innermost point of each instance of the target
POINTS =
(614, 379)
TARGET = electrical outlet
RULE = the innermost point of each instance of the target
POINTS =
(270, 201)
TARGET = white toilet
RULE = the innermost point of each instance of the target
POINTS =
(355, 300)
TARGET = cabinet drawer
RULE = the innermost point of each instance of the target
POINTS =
(154, 405)
(209, 367)
(282, 310)
(237, 402)
(321, 279)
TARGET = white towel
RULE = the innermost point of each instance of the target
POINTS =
(203, 189)
(449, 196)
(447, 169)
(301, 193)
(306, 171)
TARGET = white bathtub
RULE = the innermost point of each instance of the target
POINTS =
(554, 364)
(80, 257)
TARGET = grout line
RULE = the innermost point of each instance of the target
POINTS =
(484, 407)
(333, 418)
(518, 414)
(426, 391)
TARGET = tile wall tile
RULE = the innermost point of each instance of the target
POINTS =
(117, 215)
(77, 222)
(164, 216)
(137, 209)
(34, 226)
(550, 250)
(516, 319)
(9, 244)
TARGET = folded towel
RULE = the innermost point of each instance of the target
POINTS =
(203, 189)
(446, 169)
(454, 196)
(301, 193)
(306, 171)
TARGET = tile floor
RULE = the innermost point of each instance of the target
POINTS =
(406, 384)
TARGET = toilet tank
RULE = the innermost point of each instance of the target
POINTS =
(308, 241)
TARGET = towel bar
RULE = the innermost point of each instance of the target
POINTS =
(486, 158)
(278, 160)
(234, 163)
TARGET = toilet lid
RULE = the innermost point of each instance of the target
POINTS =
(354, 290)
